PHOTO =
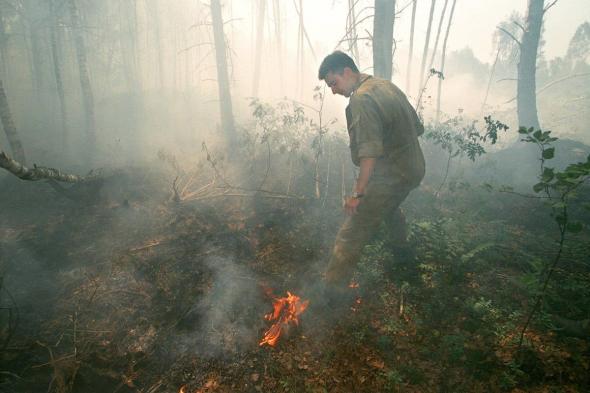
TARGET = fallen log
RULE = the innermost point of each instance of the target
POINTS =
(89, 184)
(37, 172)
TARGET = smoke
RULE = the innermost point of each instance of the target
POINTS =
(229, 316)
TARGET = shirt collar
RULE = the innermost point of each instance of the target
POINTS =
(363, 78)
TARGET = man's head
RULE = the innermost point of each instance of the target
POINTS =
(340, 73)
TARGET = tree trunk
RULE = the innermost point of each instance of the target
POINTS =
(442, 61)
(527, 66)
(440, 23)
(19, 170)
(279, 41)
(3, 48)
(157, 38)
(259, 39)
(34, 19)
(383, 38)
(128, 45)
(492, 72)
(411, 51)
(56, 54)
(300, 53)
(86, 87)
(227, 117)
(9, 128)
(426, 43)
(352, 34)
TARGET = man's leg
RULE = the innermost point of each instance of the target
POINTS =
(398, 228)
(403, 251)
(358, 229)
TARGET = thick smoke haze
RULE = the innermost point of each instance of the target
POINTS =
(152, 69)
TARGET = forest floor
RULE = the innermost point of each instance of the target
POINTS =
(127, 290)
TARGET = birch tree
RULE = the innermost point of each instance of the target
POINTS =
(85, 85)
(279, 41)
(438, 30)
(225, 104)
(3, 47)
(442, 61)
(56, 54)
(411, 51)
(426, 44)
(352, 35)
(259, 39)
(9, 128)
(527, 66)
(383, 21)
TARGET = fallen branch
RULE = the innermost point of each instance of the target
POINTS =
(37, 172)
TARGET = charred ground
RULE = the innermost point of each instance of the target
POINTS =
(159, 282)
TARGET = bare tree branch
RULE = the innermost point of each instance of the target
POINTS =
(510, 35)
(517, 23)
(549, 6)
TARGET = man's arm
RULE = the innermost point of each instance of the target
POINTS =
(366, 170)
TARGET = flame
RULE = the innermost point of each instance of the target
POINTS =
(286, 310)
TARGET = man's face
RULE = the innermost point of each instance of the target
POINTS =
(342, 83)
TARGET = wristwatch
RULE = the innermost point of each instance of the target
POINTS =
(356, 195)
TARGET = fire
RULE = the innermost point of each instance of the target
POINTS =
(286, 310)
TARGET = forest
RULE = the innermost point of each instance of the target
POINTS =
(172, 183)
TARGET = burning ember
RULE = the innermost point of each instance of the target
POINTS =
(286, 310)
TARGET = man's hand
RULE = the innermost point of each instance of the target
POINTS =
(366, 170)
(351, 204)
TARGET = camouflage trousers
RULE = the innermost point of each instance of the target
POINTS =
(381, 203)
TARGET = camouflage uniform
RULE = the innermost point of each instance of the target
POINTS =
(382, 124)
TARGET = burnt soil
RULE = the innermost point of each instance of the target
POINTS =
(122, 289)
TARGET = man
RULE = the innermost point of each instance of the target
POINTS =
(383, 128)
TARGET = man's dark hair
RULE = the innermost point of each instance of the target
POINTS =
(336, 63)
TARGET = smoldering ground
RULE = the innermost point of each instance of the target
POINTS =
(129, 273)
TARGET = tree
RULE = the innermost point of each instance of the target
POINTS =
(33, 17)
(279, 41)
(352, 35)
(225, 104)
(440, 23)
(426, 43)
(579, 47)
(411, 52)
(442, 61)
(56, 55)
(85, 85)
(155, 16)
(527, 66)
(259, 39)
(3, 46)
(9, 128)
(383, 21)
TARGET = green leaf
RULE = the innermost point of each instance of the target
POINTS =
(549, 153)
(538, 134)
(548, 175)
(575, 227)
(539, 187)
(558, 205)
(523, 130)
